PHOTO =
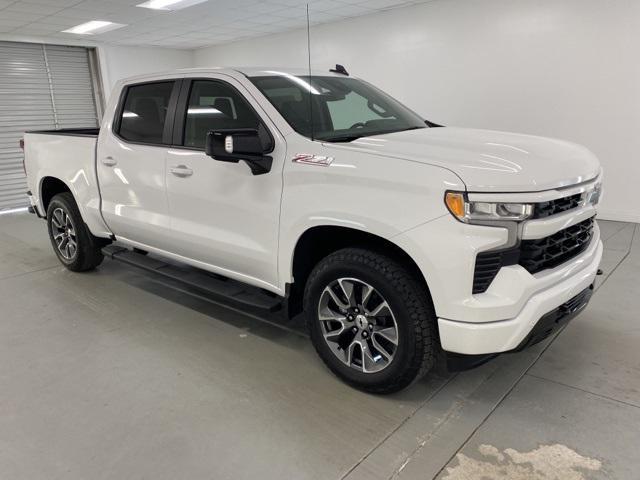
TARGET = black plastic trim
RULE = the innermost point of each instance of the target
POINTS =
(489, 263)
(71, 132)
(34, 210)
(557, 206)
(458, 362)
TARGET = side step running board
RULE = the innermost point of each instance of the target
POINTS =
(219, 288)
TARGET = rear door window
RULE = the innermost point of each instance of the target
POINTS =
(144, 113)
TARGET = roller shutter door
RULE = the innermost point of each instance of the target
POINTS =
(41, 87)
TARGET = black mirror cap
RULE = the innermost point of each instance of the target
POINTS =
(252, 145)
(246, 141)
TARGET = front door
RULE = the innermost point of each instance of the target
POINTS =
(221, 214)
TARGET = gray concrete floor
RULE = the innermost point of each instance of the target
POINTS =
(115, 375)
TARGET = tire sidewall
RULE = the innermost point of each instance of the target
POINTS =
(406, 350)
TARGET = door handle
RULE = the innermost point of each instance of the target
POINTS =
(181, 171)
(109, 161)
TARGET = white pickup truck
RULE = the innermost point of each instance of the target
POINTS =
(398, 238)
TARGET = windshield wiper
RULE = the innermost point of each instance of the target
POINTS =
(342, 138)
(352, 137)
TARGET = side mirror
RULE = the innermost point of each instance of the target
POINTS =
(250, 145)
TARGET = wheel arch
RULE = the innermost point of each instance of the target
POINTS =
(317, 242)
(49, 188)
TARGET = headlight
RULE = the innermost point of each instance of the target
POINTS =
(481, 212)
(593, 197)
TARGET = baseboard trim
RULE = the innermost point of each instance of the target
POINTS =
(619, 216)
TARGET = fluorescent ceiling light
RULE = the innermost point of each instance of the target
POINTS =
(94, 27)
(169, 4)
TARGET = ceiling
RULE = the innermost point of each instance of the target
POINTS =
(210, 23)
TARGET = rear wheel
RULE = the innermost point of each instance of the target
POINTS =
(370, 319)
(72, 241)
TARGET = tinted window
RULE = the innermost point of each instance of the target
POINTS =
(215, 106)
(354, 109)
(145, 112)
(335, 108)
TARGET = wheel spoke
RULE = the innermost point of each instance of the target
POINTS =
(367, 290)
(349, 352)
(336, 299)
(389, 333)
(328, 314)
(368, 362)
(72, 248)
(56, 219)
(348, 289)
(383, 351)
(379, 309)
(334, 335)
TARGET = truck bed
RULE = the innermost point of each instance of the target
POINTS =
(68, 155)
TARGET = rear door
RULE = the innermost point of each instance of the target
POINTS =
(132, 160)
(222, 214)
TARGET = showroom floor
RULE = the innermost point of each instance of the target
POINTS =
(112, 374)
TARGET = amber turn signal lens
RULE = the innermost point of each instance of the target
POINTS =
(455, 203)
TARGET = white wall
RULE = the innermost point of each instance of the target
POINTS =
(117, 62)
(560, 68)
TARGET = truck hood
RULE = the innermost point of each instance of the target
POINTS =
(490, 161)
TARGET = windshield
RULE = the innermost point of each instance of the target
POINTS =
(343, 109)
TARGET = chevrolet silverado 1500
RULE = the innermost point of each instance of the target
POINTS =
(397, 238)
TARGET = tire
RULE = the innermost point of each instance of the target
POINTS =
(65, 222)
(387, 367)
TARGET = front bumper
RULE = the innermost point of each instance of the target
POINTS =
(556, 319)
(499, 319)
(520, 331)
(550, 323)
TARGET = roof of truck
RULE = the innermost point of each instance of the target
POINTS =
(234, 71)
(264, 71)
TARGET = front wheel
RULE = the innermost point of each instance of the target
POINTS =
(371, 321)
(73, 243)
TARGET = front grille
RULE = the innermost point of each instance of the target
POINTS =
(534, 255)
(549, 252)
(559, 205)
